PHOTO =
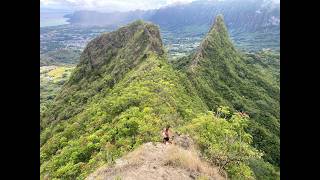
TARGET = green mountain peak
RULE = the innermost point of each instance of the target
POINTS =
(216, 44)
(219, 25)
(119, 51)
(137, 38)
(222, 75)
(104, 62)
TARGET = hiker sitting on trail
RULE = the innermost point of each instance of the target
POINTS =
(165, 134)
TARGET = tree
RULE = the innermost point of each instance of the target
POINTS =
(224, 142)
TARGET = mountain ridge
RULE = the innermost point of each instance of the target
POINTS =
(265, 13)
(222, 75)
(124, 91)
(101, 105)
(216, 38)
(110, 55)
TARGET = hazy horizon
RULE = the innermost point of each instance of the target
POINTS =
(115, 5)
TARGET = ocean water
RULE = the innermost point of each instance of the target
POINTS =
(52, 18)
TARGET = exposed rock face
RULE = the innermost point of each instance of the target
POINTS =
(134, 38)
(183, 141)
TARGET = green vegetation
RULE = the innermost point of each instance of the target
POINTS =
(116, 121)
(52, 79)
(264, 170)
(225, 142)
(222, 138)
(265, 62)
(60, 57)
(118, 117)
(124, 91)
(249, 83)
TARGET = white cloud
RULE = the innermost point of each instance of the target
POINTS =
(112, 5)
(47, 2)
(109, 5)
(178, 1)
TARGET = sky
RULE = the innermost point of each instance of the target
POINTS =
(110, 5)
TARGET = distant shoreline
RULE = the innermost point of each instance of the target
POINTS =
(48, 19)
(55, 22)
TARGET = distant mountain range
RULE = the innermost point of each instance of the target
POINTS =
(253, 24)
(244, 15)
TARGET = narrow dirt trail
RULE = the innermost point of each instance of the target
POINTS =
(156, 161)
